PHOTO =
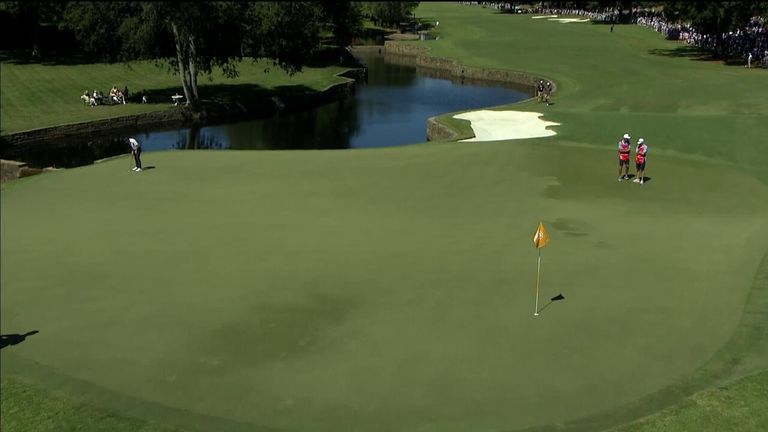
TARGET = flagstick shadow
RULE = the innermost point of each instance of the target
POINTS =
(552, 300)
(545, 306)
(15, 339)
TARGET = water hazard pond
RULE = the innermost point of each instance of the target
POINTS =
(390, 109)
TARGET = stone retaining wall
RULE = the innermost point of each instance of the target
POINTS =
(417, 55)
(437, 131)
(11, 170)
(423, 59)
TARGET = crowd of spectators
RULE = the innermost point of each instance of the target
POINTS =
(600, 15)
(749, 42)
(115, 96)
(751, 38)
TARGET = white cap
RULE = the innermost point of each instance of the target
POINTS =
(640, 141)
(626, 136)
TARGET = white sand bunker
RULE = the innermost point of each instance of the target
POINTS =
(503, 125)
(544, 16)
(569, 20)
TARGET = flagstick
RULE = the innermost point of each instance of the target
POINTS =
(538, 273)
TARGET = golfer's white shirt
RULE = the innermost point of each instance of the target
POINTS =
(134, 144)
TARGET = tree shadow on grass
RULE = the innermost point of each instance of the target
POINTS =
(246, 93)
(15, 338)
(696, 53)
(49, 59)
(687, 51)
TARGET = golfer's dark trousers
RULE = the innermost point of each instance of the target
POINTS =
(137, 157)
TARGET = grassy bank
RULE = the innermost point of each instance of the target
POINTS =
(41, 95)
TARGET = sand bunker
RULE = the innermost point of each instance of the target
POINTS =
(503, 125)
(569, 20)
(544, 16)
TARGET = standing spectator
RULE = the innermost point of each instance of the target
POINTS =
(625, 147)
(540, 90)
(136, 151)
(749, 61)
(547, 91)
(640, 157)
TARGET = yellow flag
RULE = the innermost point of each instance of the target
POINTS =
(541, 238)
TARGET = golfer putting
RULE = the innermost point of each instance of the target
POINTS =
(136, 152)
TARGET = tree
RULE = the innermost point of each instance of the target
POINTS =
(286, 33)
(345, 18)
(23, 21)
(390, 13)
(197, 37)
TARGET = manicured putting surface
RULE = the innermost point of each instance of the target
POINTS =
(381, 290)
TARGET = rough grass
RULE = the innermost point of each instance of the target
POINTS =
(738, 407)
(741, 406)
(31, 408)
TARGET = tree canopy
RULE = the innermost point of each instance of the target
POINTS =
(197, 37)
(390, 13)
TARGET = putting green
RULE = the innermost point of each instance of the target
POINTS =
(386, 289)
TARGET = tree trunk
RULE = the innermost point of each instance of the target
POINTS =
(718, 40)
(193, 70)
(181, 57)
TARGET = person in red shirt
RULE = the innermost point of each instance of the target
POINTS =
(640, 157)
(625, 147)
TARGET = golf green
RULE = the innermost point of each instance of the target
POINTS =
(393, 289)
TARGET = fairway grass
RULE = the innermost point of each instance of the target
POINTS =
(393, 288)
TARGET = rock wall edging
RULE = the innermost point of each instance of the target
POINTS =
(435, 129)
